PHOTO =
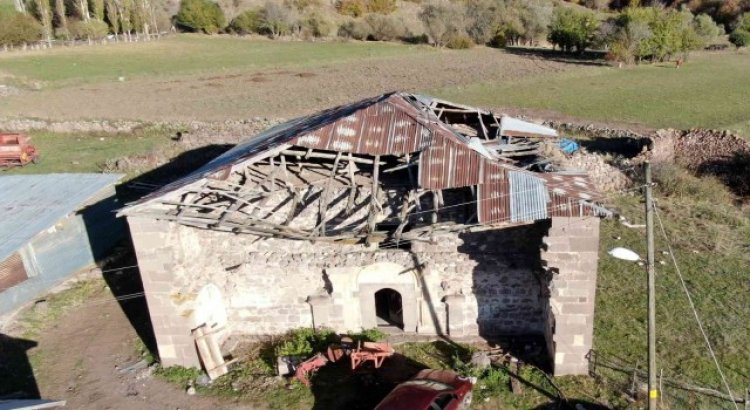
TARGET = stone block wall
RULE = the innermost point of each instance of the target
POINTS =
(471, 284)
(571, 258)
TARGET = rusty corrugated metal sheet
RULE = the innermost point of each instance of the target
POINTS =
(12, 272)
(399, 124)
(447, 164)
(493, 201)
(387, 127)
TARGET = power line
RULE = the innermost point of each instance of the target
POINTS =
(692, 306)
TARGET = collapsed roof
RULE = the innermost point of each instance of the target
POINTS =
(389, 168)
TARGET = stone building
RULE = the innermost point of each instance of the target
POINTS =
(397, 211)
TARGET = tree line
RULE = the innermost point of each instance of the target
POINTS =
(633, 34)
(48, 20)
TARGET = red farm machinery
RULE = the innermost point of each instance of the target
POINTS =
(16, 150)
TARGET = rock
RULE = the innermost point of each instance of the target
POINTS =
(190, 391)
(480, 360)
(203, 380)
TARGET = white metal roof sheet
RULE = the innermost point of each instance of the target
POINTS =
(29, 204)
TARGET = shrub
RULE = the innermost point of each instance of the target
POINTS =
(353, 8)
(200, 15)
(385, 28)
(247, 22)
(92, 29)
(381, 6)
(17, 28)
(304, 342)
(355, 29)
(459, 41)
(740, 38)
(368, 335)
(316, 25)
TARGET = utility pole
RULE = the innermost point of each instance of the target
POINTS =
(653, 391)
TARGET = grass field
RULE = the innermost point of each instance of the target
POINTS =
(183, 54)
(709, 91)
(87, 152)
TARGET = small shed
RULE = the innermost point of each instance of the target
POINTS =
(52, 226)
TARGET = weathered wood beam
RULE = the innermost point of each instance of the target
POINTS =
(324, 198)
(323, 155)
(374, 205)
(350, 168)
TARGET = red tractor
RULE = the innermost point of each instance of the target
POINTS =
(15, 150)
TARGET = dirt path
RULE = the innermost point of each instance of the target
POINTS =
(80, 358)
(274, 93)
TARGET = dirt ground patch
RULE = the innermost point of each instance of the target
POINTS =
(88, 357)
(274, 93)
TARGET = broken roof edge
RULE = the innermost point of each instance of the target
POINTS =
(268, 142)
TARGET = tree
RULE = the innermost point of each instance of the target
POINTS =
(113, 16)
(571, 29)
(707, 28)
(740, 36)
(200, 15)
(277, 19)
(385, 28)
(353, 8)
(20, 6)
(82, 7)
(43, 12)
(62, 18)
(483, 18)
(124, 8)
(441, 19)
(97, 7)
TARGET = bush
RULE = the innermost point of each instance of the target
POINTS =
(381, 6)
(200, 15)
(353, 8)
(247, 22)
(459, 41)
(385, 28)
(316, 25)
(740, 38)
(17, 28)
(304, 342)
(92, 29)
(355, 29)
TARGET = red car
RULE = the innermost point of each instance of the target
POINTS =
(430, 390)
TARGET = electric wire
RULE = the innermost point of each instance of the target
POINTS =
(692, 306)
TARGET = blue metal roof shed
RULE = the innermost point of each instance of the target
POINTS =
(51, 226)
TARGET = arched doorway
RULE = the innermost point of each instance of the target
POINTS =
(389, 308)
